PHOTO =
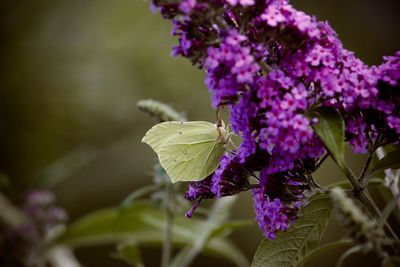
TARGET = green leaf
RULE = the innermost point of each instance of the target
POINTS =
(228, 247)
(323, 249)
(217, 216)
(227, 227)
(129, 252)
(180, 257)
(386, 194)
(292, 246)
(390, 161)
(387, 210)
(138, 194)
(143, 223)
(330, 128)
(347, 185)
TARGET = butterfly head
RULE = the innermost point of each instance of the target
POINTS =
(223, 135)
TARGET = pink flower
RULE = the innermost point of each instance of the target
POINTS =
(186, 6)
(272, 15)
(241, 2)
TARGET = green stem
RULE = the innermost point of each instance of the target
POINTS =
(362, 194)
(390, 177)
(314, 183)
(217, 216)
(169, 216)
(62, 257)
(138, 194)
(362, 177)
(386, 211)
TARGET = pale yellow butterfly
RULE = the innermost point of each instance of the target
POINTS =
(188, 151)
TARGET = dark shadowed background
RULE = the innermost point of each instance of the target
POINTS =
(71, 72)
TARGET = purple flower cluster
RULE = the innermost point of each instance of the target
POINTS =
(22, 245)
(389, 92)
(371, 107)
(230, 178)
(40, 207)
(271, 214)
(229, 68)
(271, 63)
(277, 201)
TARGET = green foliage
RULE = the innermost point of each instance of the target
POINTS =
(143, 223)
(188, 151)
(347, 185)
(325, 248)
(227, 227)
(129, 252)
(132, 197)
(390, 161)
(214, 225)
(358, 225)
(387, 196)
(290, 247)
(390, 206)
(330, 128)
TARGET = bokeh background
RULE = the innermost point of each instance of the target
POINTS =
(71, 72)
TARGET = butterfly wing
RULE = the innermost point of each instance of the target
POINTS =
(192, 155)
(161, 133)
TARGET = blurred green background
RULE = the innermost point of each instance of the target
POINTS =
(71, 72)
